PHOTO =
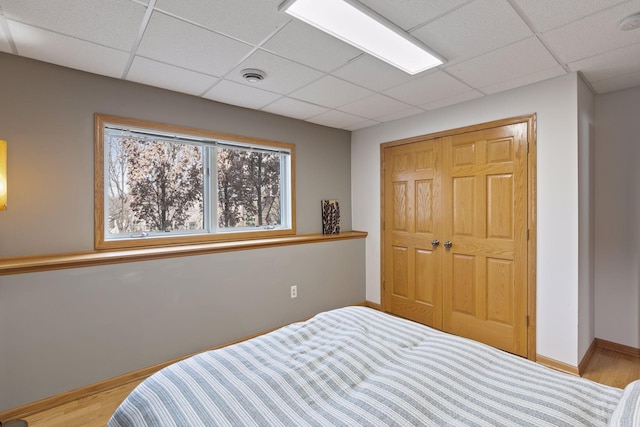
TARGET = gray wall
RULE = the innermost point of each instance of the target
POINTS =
(617, 216)
(64, 329)
(46, 116)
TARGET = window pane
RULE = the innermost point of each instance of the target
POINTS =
(249, 188)
(154, 186)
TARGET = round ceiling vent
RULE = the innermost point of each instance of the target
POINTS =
(630, 22)
(253, 76)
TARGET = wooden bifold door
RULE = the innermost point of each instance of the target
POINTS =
(455, 234)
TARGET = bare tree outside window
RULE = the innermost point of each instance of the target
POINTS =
(248, 188)
(155, 186)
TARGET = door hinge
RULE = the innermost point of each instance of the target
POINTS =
(527, 234)
(527, 320)
(527, 147)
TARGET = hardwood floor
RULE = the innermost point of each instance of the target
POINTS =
(606, 367)
(91, 411)
(612, 368)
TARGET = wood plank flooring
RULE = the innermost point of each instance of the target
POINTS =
(91, 411)
(606, 367)
(612, 368)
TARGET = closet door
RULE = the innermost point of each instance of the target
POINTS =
(412, 280)
(485, 230)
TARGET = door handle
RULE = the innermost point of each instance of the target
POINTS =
(435, 243)
(448, 244)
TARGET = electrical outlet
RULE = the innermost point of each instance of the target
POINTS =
(294, 291)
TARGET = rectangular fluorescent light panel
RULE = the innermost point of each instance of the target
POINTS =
(359, 26)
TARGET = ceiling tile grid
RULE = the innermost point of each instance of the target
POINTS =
(477, 28)
(282, 76)
(507, 63)
(301, 42)
(247, 20)
(594, 34)
(5, 46)
(111, 23)
(408, 14)
(428, 88)
(294, 108)
(36, 43)
(372, 73)
(241, 95)
(331, 92)
(547, 15)
(608, 65)
(173, 41)
(450, 100)
(335, 118)
(375, 106)
(170, 77)
(200, 47)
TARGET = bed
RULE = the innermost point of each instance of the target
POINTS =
(357, 366)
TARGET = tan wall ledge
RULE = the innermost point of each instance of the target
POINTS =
(88, 259)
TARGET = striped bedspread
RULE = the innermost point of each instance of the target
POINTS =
(358, 367)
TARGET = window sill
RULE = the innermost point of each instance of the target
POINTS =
(89, 259)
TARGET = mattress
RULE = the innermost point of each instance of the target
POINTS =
(357, 366)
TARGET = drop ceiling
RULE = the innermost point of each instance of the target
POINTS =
(199, 47)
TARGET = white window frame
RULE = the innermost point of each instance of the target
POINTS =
(210, 141)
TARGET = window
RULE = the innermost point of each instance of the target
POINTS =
(159, 185)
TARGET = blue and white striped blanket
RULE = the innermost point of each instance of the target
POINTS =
(356, 366)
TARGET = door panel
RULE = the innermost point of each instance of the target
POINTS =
(399, 267)
(463, 287)
(464, 205)
(500, 207)
(485, 219)
(469, 189)
(412, 203)
(500, 291)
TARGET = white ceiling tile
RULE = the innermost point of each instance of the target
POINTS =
(335, 119)
(282, 76)
(429, 88)
(608, 65)
(466, 96)
(169, 77)
(406, 14)
(294, 108)
(517, 60)
(372, 73)
(67, 51)
(617, 83)
(528, 79)
(593, 35)
(331, 92)
(4, 40)
(375, 106)
(247, 20)
(305, 44)
(243, 96)
(113, 23)
(399, 115)
(546, 15)
(474, 29)
(362, 125)
(172, 41)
